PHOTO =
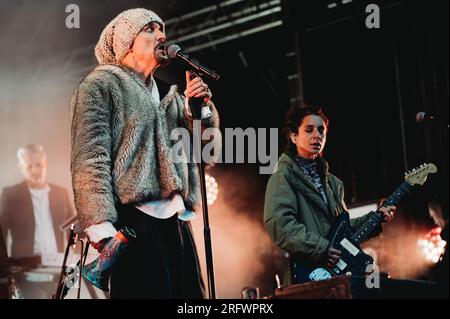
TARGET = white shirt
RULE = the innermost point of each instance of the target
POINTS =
(162, 209)
(44, 234)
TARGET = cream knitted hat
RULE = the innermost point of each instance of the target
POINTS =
(120, 33)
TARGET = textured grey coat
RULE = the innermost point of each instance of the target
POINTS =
(121, 146)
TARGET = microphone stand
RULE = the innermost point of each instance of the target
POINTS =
(196, 105)
(60, 287)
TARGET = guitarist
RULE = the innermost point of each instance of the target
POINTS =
(302, 198)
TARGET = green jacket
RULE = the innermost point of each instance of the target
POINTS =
(295, 215)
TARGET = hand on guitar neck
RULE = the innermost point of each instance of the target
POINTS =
(387, 212)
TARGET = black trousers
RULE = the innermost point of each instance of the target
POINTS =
(161, 263)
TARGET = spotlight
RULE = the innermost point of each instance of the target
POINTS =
(212, 189)
(432, 245)
(332, 5)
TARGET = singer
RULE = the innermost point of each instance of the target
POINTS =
(122, 174)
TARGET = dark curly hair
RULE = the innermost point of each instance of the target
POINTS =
(294, 118)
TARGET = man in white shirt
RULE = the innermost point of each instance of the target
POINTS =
(33, 210)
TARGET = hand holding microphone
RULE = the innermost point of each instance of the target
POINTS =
(174, 51)
(196, 88)
(197, 91)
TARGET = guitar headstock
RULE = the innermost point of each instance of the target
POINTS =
(419, 174)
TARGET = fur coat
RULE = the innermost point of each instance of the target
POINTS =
(121, 146)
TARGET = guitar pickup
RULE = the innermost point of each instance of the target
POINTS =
(349, 247)
(341, 264)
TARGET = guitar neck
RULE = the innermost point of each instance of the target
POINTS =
(372, 224)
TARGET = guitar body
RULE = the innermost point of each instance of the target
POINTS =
(353, 260)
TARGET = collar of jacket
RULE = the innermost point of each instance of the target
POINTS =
(306, 187)
(164, 89)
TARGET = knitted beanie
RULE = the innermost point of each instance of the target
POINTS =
(119, 34)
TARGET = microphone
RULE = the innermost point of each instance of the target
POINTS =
(174, 51)
(423, 117)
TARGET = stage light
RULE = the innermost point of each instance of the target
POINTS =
(332, 5)
(212, 189)
(432, 245)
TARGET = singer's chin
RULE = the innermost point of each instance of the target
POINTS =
(162, 58)
(163, 61)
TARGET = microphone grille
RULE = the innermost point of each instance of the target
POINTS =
(172, 50)
(420, 117)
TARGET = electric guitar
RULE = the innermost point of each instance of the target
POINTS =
(353, 260)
